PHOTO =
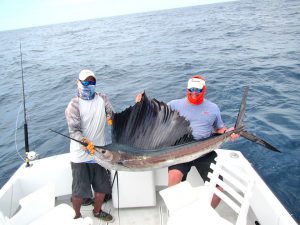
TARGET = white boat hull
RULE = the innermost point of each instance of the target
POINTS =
(264, 206)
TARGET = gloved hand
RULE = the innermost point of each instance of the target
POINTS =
(90, 146)
(109, 120)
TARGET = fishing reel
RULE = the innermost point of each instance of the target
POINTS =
(32, 155)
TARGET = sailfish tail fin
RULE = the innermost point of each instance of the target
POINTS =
(243, 132)
(240, 118)
(258, 140)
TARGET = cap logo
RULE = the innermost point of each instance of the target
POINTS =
(196, 83)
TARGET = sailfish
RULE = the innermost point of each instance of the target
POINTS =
(150, 135)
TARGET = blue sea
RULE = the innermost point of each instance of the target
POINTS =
(233, 45)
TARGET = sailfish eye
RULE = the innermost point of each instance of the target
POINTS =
(106, 155)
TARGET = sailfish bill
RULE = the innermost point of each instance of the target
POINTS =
(151, 135)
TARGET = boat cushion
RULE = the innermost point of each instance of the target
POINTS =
(34, 205)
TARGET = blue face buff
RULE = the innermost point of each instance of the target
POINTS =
(86, 92)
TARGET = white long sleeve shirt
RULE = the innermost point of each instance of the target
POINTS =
(87, 118)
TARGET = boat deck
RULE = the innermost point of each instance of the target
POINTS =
(157, 215)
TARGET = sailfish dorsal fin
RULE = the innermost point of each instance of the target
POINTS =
(150, 124)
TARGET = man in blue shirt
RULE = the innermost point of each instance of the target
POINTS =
(205, 120)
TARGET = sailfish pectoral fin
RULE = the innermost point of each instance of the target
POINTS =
(258, 140)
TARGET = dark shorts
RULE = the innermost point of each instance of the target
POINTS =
(202, 164)
(86, 175)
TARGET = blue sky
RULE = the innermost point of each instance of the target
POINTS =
(15, 14)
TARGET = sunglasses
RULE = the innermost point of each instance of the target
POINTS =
(86, 83)
(197, 90)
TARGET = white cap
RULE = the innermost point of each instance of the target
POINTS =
(195, 83)
(85, 74)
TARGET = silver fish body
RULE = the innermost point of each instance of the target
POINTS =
(164, 157)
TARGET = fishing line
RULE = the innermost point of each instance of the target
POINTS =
(16, 144)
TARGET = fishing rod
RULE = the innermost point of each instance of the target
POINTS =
(81, 142)
(24, 109)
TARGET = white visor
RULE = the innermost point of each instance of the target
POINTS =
(196, 83)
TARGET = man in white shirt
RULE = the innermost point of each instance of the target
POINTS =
(86, 116)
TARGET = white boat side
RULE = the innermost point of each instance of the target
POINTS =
(50, 178)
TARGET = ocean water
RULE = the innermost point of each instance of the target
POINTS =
(233, 45)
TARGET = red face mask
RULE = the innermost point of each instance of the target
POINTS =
(196, 98)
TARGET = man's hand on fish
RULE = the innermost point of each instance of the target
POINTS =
(233, 136)
(138, 97)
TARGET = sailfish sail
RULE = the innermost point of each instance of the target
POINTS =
(150, 124)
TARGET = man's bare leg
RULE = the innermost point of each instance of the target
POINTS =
(215, 199)
(77, 201)
(175, 177)
(99, 197)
